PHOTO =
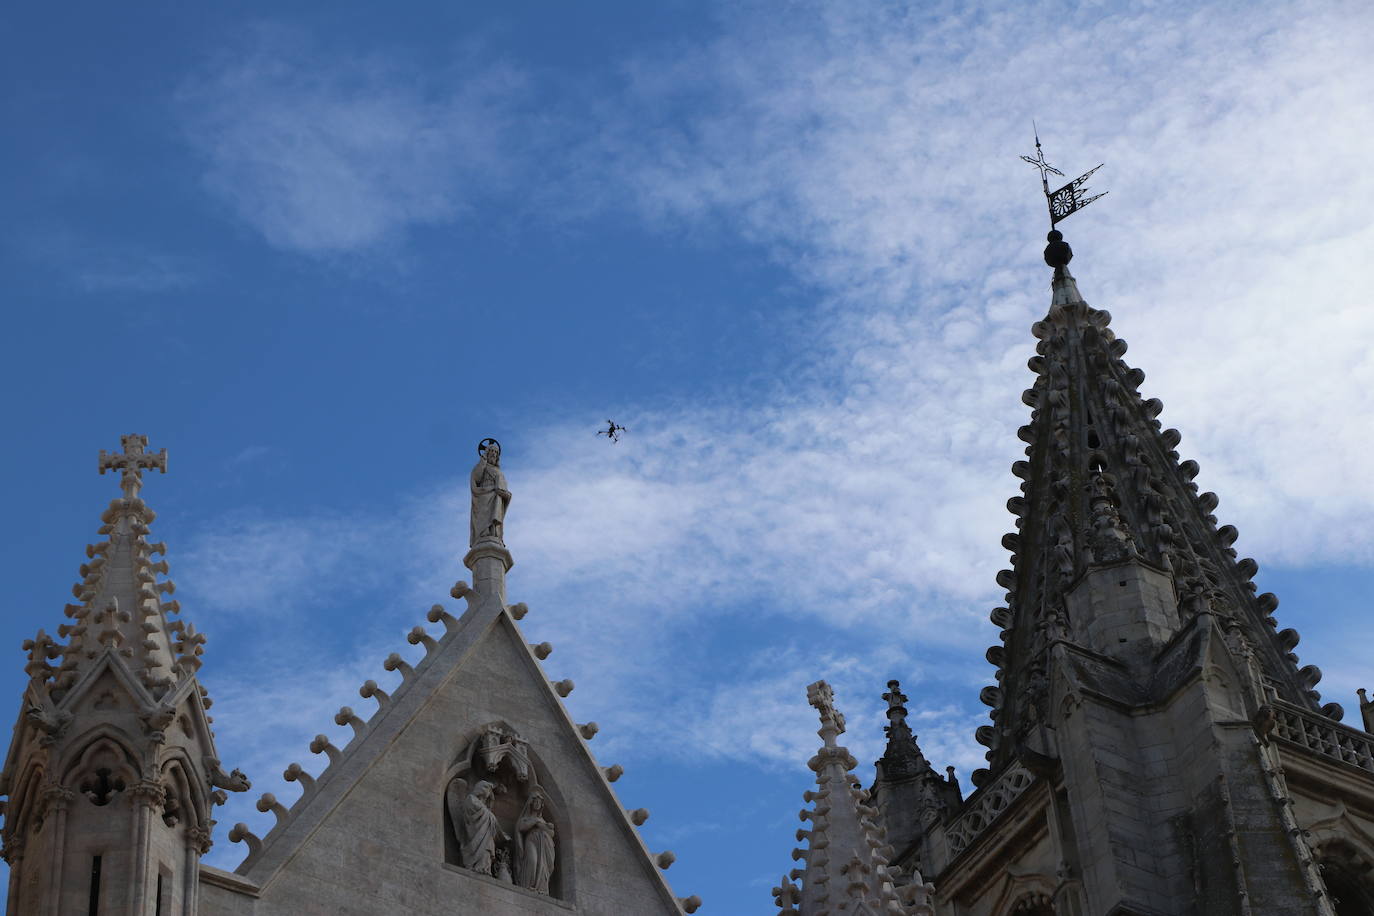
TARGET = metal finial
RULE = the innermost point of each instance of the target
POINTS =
(1057, 252)
(1039, 162)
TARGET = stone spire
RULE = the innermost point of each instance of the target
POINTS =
(902, 756)
(121, 607)
(1103, 486)
(114, 739)
(846, 852)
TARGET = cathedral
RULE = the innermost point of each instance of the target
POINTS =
(1154, 746)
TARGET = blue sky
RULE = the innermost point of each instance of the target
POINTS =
(319, 252)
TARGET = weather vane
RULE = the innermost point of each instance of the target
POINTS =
(612, 431)
(1069, 199)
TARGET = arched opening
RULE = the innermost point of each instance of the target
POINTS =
(1350, 895)
(102, 770)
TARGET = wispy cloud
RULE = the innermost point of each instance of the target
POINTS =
(106, 266)
(138, 273)
(871, 148)
(323, 157)
(249, 565)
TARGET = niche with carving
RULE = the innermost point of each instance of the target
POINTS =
(498, 819)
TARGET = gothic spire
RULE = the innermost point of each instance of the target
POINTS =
(902, 752)
(1103, 484)
(121, 605)
(115, 740)
(903, 760)
(905, 782)
(847, 854)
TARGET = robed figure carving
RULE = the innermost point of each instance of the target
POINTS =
(480, 829)
(535, 833)
(489, 494)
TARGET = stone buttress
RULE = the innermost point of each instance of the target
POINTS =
(112, 773)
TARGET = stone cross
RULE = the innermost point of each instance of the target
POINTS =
(132, 462)
(822, 697)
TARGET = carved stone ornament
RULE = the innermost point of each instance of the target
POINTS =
(497, 744)
(234, 780)
(503, 822)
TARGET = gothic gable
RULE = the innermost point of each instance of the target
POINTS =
(469, 790)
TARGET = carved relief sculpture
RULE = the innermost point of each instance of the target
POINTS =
(505, 825)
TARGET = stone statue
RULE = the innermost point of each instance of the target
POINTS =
(489, 494)
(536, 844)
(481, 832)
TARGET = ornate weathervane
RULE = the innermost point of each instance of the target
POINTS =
(1069, 199)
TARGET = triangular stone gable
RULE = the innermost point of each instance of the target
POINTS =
(373, 835)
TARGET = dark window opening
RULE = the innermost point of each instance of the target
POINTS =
(158, 900)
(94, 909)
(1349, 895)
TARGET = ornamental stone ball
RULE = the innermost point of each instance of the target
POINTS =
(1057, 253)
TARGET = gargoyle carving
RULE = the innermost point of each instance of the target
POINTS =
(234, 780)
(49, 720)
(155, 720)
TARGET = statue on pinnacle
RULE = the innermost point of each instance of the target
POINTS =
(489, 495)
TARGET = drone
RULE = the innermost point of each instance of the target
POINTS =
(613, 431)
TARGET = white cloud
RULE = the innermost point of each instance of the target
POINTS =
(872, 149)
(322, 158)
(280, 568)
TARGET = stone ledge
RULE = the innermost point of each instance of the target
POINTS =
(229, 881)
(511, 888)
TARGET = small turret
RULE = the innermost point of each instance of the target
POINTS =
(907, 790)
